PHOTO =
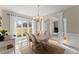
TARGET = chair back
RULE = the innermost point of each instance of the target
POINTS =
(27, 35)
(34, 40)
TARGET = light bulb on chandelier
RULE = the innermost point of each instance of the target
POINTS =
(38, 18)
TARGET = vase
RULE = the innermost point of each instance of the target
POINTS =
(1, 38)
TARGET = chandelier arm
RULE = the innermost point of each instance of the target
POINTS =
(38, 17)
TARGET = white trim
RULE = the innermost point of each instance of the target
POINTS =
(73, 35)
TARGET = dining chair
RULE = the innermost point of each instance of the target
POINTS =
(29, 39)
(37, 47)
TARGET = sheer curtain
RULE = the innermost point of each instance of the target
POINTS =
(34, 27)
(12, 24)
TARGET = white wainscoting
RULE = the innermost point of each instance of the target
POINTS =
(73, 39)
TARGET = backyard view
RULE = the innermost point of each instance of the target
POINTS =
(22, 28)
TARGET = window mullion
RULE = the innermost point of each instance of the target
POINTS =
(22, 29)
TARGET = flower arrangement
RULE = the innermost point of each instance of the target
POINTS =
(3, 32)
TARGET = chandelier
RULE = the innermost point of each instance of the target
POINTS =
(38, 17)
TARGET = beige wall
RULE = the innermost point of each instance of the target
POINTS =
(72, 15)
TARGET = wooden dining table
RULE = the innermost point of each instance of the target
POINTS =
(48, 46)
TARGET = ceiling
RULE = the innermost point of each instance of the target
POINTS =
(32, 10)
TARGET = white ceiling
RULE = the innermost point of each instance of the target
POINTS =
(31, 10)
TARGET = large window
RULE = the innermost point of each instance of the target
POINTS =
(23, 26)
(30, 27)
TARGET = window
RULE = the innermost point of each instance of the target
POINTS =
(23, 26)
(19, 28)
(30, 27)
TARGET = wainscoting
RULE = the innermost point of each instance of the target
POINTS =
(73, 40)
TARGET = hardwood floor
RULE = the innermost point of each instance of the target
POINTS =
(50, 50)
(46, 49)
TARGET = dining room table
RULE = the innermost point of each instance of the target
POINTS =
(48, 46)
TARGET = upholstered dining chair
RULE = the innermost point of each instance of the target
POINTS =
(29, 39)
(37, 47)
